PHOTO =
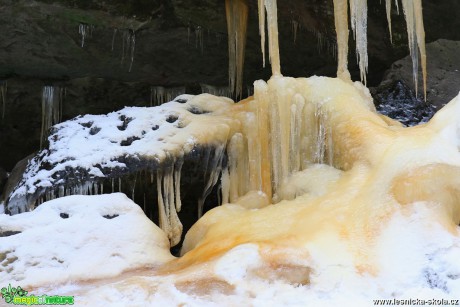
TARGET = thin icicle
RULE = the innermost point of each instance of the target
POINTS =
(237, 22)
(272, 23)
(416, 37)
(358, 19)
(52, 99)
(85, 31)
(199, 38)
(388, 9)
(261, 8)
(3, 90)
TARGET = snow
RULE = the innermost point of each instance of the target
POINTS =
(98, 144)
(79, 238)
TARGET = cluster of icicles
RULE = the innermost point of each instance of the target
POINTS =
(280, 131)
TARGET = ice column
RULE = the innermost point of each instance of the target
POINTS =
(341, 28)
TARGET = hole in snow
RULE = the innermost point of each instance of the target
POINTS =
(197, 111)
(7, 233)
(155, 127)
(87, 125)
(64, 215)
(94, 130)
(172, 118)
(181, 100)
(125, 120)
(109, 217)
(129, 141)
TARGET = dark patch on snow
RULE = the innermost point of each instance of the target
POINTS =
(197, 111)
(87, 125)
(8, 233)
(64, 215)
(125, 120)
(172, 118)
(180, 100)
(129, 141)
(109, 217)
(434, 280)
(155, 127)
(94, 130)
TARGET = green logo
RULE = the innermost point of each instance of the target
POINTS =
(18, 296)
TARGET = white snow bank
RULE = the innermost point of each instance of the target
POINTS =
(78, 238)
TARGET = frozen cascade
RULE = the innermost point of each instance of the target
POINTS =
(52, 100)
(3, 90)
(160, 94)
(237, 22)
(85, 31)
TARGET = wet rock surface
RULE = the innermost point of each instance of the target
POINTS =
(396, 100)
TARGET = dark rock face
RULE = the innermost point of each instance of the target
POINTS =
(443, 67)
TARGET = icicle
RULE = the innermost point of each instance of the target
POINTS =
(295, 27)
(272, 25)
(388, 9)
(51, 109)
(113, 37)
(237, 184)
(3, 90)
(213, 171)
(416, 36)
(160, 95)
(261, 8)
(237, 23)
(85, 31)
(341, 28)
(199, 38)
(167, 204)
(358, 12)
(128, 46)
(177, 175)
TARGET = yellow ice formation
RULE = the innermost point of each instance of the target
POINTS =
(333, 169)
